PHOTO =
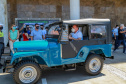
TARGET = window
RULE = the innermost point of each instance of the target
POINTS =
(64, 36)
(98, 31)
(54, 30)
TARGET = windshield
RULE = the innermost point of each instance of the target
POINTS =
(54, 30)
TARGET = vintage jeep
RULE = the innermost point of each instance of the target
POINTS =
(58, 51)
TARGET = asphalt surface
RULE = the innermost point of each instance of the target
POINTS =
(114, 72)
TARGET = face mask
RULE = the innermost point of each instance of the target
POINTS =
(14, 27)
(73, 30)
(37, 27)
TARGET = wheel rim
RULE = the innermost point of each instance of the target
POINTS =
(27, 74)
(95, 65)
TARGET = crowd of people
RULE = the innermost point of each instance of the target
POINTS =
(15, 34)
(119, 36)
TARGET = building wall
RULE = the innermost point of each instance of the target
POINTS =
(113, 9)
(38, 9)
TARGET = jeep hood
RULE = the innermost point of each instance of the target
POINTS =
(30, 45)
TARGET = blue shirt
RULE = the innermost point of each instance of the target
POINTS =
(44, 32)
(29, 32)
(37, 35)
(77, 35)
(115, 31)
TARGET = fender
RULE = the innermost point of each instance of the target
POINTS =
(106, 49)
(40, 54)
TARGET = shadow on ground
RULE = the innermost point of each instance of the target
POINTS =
(6, 78)
(58, 76)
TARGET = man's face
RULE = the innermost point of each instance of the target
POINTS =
(37, 26)
(75, 28)
(42, 27)
(121, 27)
(27, 26)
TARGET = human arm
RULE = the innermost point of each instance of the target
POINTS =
(32, 35)
(43, 34)
(22, 28)
(74, 38)
(43, 37)
(9, 37)
(114, 34)
(122, 31)
(17, 35)
(27, 35)
(79, 36)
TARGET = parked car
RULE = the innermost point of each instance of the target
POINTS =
(58, 51)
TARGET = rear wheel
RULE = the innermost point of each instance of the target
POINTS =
(27, 72)
(94, 64)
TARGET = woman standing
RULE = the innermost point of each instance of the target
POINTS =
(25, 35)
(13, 37)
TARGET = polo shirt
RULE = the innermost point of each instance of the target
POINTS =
(77, 35)
(37, 35)
(115, 31)
(44, 32)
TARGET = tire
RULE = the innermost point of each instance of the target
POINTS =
(27, 72)
(94, 64)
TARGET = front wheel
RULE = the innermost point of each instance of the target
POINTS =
(27, 72)
(94, 64)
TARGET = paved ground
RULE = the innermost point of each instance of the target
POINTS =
(114, 72)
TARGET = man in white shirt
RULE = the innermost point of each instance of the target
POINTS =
(115, 33)
(76, 33)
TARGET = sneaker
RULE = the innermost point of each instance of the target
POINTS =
(113, 51)
(124, 53)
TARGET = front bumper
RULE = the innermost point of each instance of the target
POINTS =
(7, 66)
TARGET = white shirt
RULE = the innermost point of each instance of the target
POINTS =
(77, 35)
(115, 31)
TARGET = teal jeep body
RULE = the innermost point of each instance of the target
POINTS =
(59, 51)
(49, 53)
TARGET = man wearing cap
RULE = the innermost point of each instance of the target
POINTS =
(1, 43)
(121, 37)
(76, 33)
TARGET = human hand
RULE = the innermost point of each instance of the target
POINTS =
(70, 37)
(23, 25)
(13, 41)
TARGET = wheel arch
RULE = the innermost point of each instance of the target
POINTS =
(98, 52)
(102, 50)
(36, 59)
